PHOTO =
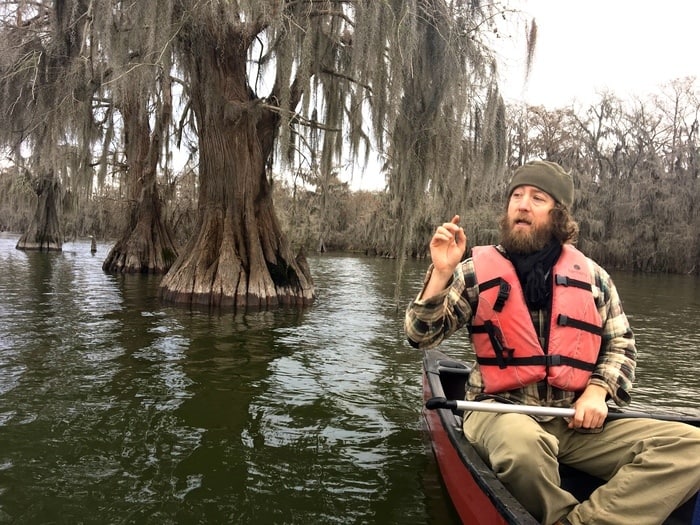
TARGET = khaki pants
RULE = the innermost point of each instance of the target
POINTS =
(652, 466)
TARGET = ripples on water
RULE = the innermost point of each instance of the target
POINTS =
(664, 312)
(115, 408)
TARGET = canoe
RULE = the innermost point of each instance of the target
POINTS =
(477, 495)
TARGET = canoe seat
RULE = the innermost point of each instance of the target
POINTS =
(453, 367)
(453, 376)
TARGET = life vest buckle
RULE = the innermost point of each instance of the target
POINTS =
(553, 360)
(504, 355)
(503, 293)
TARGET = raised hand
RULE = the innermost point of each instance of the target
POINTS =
(447, 248)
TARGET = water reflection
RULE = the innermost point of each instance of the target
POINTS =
(664, 312)
(318, 407)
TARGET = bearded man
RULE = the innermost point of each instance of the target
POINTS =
(547, 327)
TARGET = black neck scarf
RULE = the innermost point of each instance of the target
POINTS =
(534, 273)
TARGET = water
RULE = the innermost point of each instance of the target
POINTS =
(115, 408)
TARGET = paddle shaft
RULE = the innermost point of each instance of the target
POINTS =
(507, 408)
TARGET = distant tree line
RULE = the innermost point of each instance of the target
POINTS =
(636, 166)
(635, 162)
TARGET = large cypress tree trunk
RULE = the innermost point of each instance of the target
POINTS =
(44, 232)
(146, 245)
(238, 255)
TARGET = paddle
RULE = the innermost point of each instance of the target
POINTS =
(504, 408)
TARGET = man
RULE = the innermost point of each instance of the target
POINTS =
(548, 328)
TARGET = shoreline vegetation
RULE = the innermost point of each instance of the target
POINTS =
(638, 217)
(637, 191)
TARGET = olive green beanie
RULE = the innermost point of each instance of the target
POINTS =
(547, 176)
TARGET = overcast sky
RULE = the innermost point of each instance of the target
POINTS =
(628, 47)
(586, 46)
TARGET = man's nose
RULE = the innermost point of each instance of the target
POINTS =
(524, 203)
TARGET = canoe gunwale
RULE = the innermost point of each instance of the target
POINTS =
(504, 505)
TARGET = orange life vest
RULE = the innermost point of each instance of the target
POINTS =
(505, 340)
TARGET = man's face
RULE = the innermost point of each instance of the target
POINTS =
(527, 226)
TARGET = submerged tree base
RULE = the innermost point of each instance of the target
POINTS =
(220, 269)
(44, 233)
(139, 254)
(42, 244)
(146, 247)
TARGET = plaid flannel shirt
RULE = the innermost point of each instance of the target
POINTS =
(429, 320)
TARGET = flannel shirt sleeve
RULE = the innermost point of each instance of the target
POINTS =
(617, 360)
(430, 320)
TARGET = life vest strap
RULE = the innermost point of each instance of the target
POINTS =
(503, 291)
(563, 280)
(537, 360)
(565, 320)
(503, 355)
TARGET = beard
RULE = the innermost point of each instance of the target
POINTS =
(524, 241)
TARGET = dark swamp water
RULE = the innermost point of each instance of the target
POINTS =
(116, 408)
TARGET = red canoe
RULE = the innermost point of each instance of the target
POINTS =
(477, 495)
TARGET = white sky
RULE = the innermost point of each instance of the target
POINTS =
(587, 46)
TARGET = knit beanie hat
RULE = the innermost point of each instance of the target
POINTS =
(547, 176)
